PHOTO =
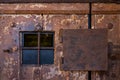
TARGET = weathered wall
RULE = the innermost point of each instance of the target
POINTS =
(62, 8)
(10, 68)
(10, 39)
(113, 23)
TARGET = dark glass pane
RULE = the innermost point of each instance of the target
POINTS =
(30, 40)
(29, 56)
(46, 40)
(46, 56)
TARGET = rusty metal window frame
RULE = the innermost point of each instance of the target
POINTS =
(38, 48)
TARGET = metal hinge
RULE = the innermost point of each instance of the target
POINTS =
(60, 36)
(114, 51)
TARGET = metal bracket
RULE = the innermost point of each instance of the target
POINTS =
(10, 50)
(60, 36)
(114, 51)
(62, 60)
(7, 50)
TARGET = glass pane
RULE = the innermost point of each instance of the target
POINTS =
(46, 56)
(29, 57)
(46, 40)
(30, 40)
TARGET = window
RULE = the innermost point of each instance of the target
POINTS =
(37, 47)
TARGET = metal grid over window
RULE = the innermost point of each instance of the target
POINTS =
(37, 47)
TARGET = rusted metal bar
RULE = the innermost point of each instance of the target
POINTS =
(43, 12)
(90, 16)
(106, 12)
(82, 12)
(90, 27)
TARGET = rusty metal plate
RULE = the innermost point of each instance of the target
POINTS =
(85, 49)
(58, 1)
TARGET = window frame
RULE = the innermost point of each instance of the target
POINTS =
(38, 48)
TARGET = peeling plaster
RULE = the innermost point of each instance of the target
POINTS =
(17, 7)
(97, 76)
(6, 30)
(38, 6)
(52, 73)
(101, 19)
(10, 63)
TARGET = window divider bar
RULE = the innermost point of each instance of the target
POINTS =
(47, 48)
(20, 47)
(29, 48)
(38, 48)
(37, 32)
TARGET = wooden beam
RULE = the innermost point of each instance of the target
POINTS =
(59, 1)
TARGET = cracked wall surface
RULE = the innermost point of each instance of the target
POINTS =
(11, 24)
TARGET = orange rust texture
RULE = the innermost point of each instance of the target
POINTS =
(10, 68)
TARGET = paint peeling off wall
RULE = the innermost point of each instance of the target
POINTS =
(10, 25)
(44, 6)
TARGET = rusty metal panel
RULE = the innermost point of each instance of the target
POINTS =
(84, 49)
(58, 1)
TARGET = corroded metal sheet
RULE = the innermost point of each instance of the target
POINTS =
(84, 49)
(58, 1)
